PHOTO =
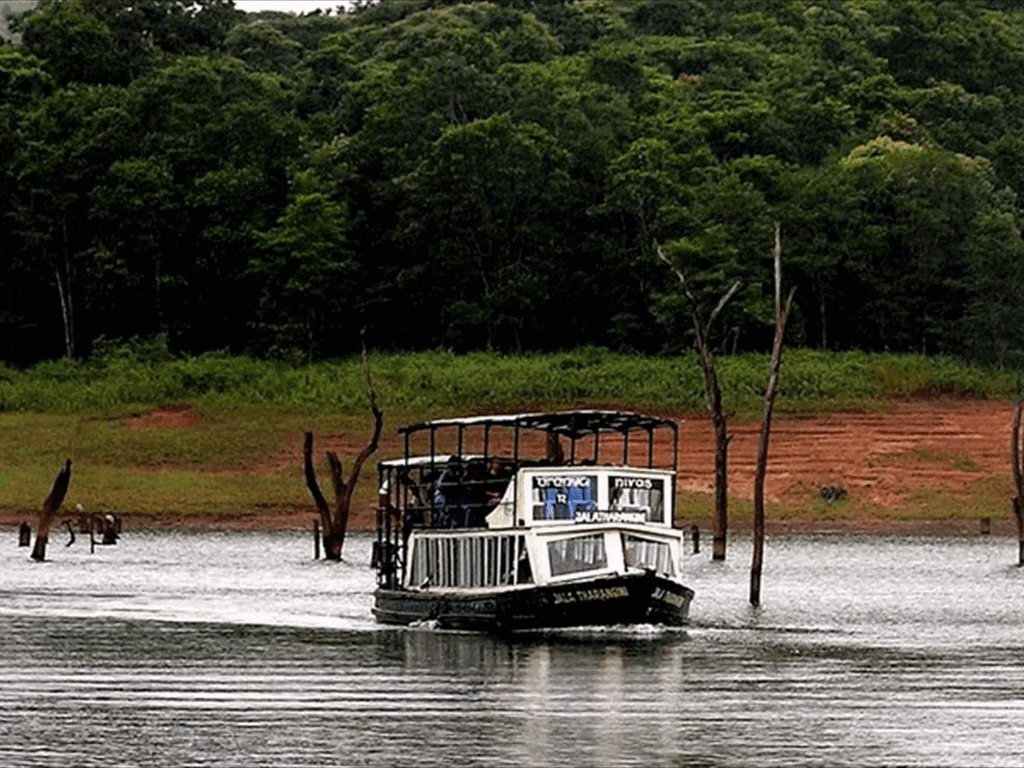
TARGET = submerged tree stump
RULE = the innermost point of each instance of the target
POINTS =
(49, 510)
(1017, 469)
(334, 521)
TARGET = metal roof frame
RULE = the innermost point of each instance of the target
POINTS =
(571, 424)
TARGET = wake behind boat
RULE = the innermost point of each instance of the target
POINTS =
(525, 521)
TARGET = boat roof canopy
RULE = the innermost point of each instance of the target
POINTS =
(571, 424)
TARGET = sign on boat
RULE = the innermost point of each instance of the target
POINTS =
(529, 521)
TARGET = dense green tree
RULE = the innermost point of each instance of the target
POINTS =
(136, 210)
(305, 278)
(227, 136)
(77, 133)
(487, 197)
(74, 45)
(890, 243)
(992, 329)
(142, 27)
(264, 47)
(23, 81)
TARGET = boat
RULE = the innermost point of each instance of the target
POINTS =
(530, 521)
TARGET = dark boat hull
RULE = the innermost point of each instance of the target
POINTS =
(613, 600)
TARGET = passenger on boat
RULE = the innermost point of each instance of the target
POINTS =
(453, 502)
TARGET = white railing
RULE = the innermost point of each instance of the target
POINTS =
(472, 560)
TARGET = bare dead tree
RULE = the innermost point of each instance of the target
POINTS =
(781, 313)
(48, 511)
(334, 521)
(712, 400)
(1017, 466)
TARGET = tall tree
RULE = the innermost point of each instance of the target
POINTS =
(74, 44)
(488, 197)
(305, 279)
(761, 466)
(23, 82)
(135, 210)
(77, 133)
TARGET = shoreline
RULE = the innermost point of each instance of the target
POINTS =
(302, 519)
(921, 468)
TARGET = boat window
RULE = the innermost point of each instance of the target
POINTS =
(560, 497)
(646, 553)
(580, 553)
(638, 494)
(470, 561)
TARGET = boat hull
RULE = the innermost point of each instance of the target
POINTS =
(613, 600)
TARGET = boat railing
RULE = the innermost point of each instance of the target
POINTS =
(473, 559)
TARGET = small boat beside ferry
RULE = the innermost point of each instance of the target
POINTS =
(530, 521)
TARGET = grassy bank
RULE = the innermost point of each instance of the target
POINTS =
(239, 451)
(135, 376)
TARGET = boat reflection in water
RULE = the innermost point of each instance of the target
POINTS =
(609, 716)
(485, 529)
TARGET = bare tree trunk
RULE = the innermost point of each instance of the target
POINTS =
(824, 322)
(1018, 511)
(1017, 468)
(334, 522)
(65, 311)
(781, 313)
(713, 401)
(713, 397)
(64, 289)
(49, 510)
(158, 285)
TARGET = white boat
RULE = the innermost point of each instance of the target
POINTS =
(529, 521)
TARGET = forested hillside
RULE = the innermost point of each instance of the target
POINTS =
(424, 174)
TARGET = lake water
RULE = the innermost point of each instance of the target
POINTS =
(241, 650)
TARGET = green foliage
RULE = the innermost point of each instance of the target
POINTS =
(22, 77)
(305, 255)
(120, 378)
(422, 175)
(74, 44)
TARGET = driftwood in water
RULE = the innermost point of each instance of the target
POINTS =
(781, 313)
(49, 510)
(1017, 467)
(713, 401)
(334, 521)
(106, 525)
